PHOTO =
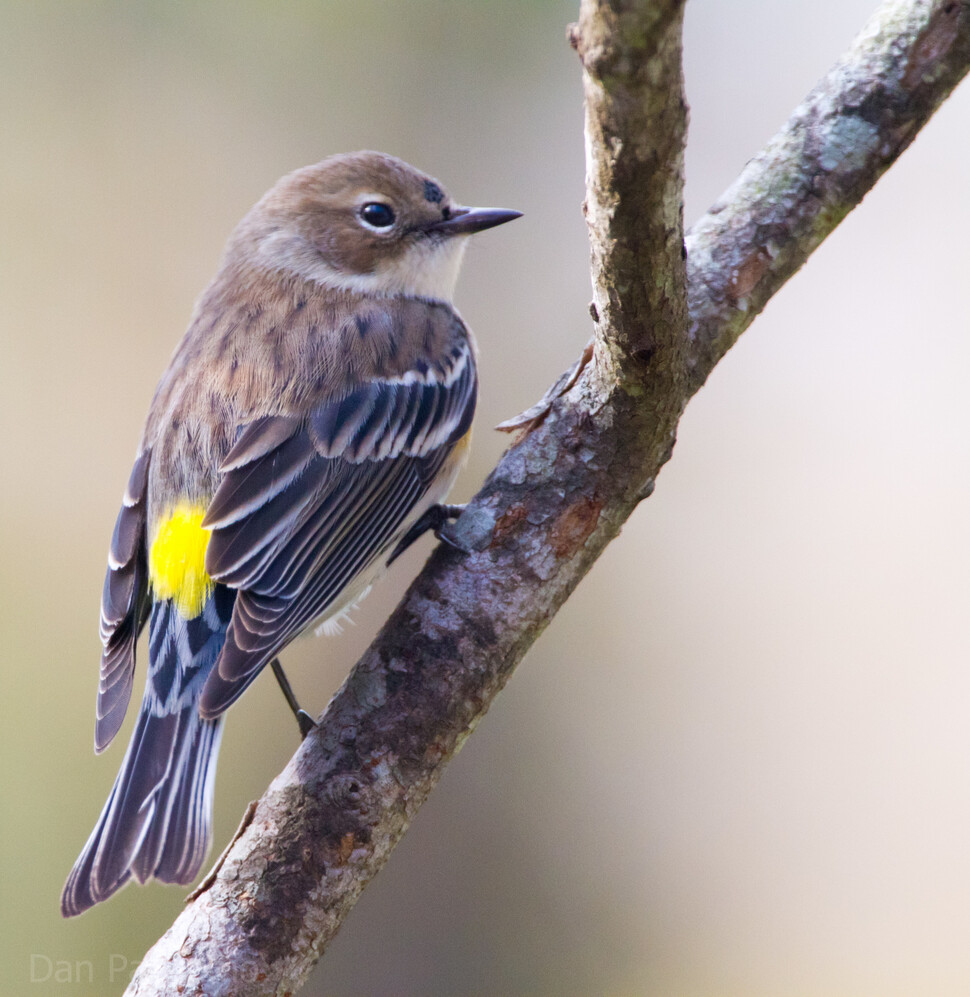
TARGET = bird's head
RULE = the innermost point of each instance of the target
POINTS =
(364, 222)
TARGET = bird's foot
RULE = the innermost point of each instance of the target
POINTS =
(433, 518)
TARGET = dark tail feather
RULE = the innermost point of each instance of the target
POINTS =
(158, 819)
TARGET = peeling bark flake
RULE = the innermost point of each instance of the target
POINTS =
(745, 279)
(573, 527)
(507, 523)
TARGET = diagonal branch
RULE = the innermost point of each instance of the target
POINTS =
(842, 138)
(328, 822)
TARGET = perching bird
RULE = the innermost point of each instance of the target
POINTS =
(318, 406)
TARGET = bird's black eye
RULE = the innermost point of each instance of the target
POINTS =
(376, 214)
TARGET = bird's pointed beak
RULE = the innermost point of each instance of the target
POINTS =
(464, 221)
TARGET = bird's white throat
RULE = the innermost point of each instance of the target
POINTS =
(426, 269)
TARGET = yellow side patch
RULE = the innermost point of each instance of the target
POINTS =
(176, 560)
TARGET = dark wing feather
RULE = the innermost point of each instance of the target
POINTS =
(124, 606)
(263, 622)
(259, 438)
(293, 526)
(250, 484)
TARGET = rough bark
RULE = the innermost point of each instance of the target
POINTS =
(591, 452)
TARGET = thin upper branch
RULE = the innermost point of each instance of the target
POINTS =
(560, 494)
(846, 133)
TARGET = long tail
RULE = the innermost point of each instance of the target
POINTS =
(158, 819)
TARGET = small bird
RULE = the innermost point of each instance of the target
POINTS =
(311, 420)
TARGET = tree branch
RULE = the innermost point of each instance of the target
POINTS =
(636, 124)
(328, 822)
(848, 131)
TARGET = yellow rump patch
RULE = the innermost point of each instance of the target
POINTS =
(176, 560)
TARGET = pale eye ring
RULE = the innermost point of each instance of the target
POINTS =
(377, 215)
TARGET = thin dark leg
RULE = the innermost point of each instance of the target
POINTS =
(305, 721)
(433, 519)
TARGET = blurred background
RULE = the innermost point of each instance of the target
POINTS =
(774, 657)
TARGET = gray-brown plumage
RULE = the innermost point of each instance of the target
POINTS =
(318, 404)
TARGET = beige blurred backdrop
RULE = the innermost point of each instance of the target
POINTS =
(738, 762)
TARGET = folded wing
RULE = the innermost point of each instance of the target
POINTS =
(124, 606)
(306, 505)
